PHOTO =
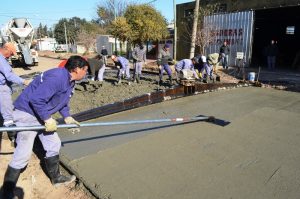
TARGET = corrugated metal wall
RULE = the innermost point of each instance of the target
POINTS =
(236, 29)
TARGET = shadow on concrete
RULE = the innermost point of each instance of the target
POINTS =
(215, 121)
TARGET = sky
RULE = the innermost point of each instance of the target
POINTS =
(48, 12)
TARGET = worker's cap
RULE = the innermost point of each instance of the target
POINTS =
(10, 47)
(167, 45)
(203, 58)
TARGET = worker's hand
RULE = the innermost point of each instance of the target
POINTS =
(71, 120)
(26, 82)
(159, 67)
(50, 125)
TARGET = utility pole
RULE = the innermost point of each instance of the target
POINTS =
(195, 22)
(66, 38)
(175, 31)
(113, 4)
(40, 41)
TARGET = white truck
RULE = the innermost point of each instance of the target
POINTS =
(20, 32)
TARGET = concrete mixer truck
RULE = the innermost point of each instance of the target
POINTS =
(20, 32)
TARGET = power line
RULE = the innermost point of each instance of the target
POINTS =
(151, 2)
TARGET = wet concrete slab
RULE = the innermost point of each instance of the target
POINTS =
(255, 156)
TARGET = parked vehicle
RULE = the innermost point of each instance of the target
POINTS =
(60, 49)
(20, 32)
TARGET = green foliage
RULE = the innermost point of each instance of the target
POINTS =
(42, 31)
(146, 23)
(73, 27)
(120, 29)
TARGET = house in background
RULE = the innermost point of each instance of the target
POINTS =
(46, 43)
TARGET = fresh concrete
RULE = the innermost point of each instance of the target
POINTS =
(255, 156)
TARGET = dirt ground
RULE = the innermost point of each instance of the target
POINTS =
(88, 94)
(33, 183)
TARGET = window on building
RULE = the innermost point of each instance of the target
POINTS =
(290, 30)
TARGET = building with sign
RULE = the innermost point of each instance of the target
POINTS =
(248, 27)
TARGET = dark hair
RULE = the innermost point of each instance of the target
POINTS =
(76, 61)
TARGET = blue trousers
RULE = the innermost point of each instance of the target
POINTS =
(271, 62)
(25, 139)
(101, 73)
(124, 70)
(138, 68)
(224, 60)
(6, 105)
(167, 68)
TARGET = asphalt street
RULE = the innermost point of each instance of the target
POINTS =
(256, 155)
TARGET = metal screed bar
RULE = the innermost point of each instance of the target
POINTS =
(186, 119)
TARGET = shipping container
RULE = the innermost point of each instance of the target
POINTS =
(235, 28)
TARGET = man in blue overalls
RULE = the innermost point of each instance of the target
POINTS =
(163, 59)
(123, 65)
(47, 94)
(7, 78)
(186, 64)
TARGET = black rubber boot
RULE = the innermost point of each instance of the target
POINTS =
(52, 166)
(9, 184)
(137, 78)
(171, 80)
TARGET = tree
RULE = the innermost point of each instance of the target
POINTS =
(204, 34)
(87, 35)
(194, 32)
(72, 28)
(146, 23)
(120, 29)
(109, 10)
(42, 31)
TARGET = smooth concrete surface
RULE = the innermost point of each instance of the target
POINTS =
(255, 156)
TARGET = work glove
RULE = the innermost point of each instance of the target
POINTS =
(50, 125)
(71, 120)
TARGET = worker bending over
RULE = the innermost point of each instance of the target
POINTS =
(204, 66)
(186, 64)
(123, 67)
(97, 68)
(47, 94)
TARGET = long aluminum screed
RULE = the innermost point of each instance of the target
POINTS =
(186, 119)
